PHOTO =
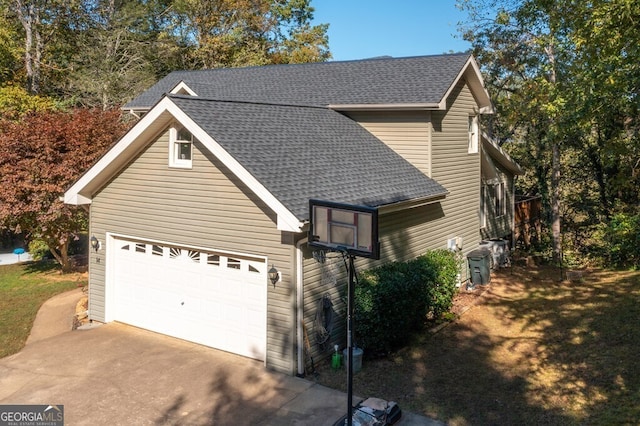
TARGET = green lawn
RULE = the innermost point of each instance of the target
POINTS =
(23, 289)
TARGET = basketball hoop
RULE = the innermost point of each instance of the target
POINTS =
(352, 231)
(344, 228)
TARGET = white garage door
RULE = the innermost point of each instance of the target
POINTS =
(207, 297)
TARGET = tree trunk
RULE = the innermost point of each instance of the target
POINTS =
(555, 203)
(598, 169)
(29, 18)
(60, 252)
(555, 167)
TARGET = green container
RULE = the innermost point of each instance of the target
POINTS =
(479, 266)
(336, 361)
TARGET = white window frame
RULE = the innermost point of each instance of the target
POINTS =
(174, 145)
(500, 201)
(474, 134)
(483, 206)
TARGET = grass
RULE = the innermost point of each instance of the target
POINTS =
(23, 289)
(535, 351)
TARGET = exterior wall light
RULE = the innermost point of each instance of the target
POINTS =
(95, 244)
(274, 275)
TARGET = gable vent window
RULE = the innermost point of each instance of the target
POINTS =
(180, 148)
(474, 135)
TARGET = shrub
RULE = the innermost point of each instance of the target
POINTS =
(439, 269)
(620, 241)
(393, 300)
(38, 249)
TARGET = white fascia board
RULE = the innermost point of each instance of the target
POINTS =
(405, 205)
(287, 221)
(182, 87)
(115, 158)
(496, 152)
(79, 193)
(476, 84)
(384, 107)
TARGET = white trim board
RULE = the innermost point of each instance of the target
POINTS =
(142, 133)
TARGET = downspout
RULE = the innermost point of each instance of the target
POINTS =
(300, 305)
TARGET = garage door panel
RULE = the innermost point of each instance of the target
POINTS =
(197, 295)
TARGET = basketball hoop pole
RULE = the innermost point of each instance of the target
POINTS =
(350, 302)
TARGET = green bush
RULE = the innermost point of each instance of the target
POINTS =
(393, 300)
(38, 249)
(620, 241)
(440, 270)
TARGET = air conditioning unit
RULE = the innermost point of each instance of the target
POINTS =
(499, 252)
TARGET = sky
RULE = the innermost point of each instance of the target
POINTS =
(361, 29)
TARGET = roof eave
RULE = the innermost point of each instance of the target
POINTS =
(386, 107)
(471, 72)
(158, 117)
(413, 203)
(114, 159)
(500, 155)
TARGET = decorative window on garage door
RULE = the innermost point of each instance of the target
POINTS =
(213, 259)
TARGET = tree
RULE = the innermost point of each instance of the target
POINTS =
(15, 102)
(102, 52)
(522, 48)
(229, 33)
(43, 23)
(40, 157)
(120, 43)
(10, 53)
(606, 99)
(564, 76)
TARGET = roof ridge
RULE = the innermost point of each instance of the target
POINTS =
(306, 64)
(235, 101)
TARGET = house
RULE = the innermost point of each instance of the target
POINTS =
(209, 190)
(497, 200)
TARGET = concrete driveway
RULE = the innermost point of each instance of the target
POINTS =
(115, 374)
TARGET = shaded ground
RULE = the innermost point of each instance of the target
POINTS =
(533, 350)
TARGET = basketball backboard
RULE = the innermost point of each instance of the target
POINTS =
(344, 227)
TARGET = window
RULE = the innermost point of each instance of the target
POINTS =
(483, 207)
(501, 205)
(180, 147)
(474, 134)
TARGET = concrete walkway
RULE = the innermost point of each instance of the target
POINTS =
(56, 316)
(115, 374)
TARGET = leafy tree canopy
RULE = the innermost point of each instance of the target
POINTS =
(104, 52)
(15, 102)
(40, 157)
(565, 77)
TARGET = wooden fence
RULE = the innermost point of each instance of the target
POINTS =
(528, 220)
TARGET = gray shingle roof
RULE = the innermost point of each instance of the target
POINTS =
(299, 153)
(414, 80)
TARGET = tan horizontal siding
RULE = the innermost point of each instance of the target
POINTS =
(314, 290)
(457, 170)
(407, 234)
(205, 206)
(499, 226)
(406, 132)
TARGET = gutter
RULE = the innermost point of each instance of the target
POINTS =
(387, 107)
(403, 205)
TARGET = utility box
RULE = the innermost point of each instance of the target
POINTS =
(499, 252)
(480, 266)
